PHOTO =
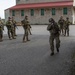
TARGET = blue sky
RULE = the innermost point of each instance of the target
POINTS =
(4, 4)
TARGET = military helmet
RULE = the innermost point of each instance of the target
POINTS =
(67, 18)
(26, 16)
(9, 18)
(51, 20)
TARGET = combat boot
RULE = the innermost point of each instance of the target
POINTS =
(27, 38)
(52, 54)
(10, 38)
(13, 38)
(57, 49)
(24, 41)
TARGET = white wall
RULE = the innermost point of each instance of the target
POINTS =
(7, 14)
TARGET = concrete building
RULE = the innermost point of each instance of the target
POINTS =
(39, 11)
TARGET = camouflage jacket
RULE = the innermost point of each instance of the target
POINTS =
(14, 23)
(25, 24)
(61, 22)
(1, 25)
(9, 24)
(67, 23)
(53, 28)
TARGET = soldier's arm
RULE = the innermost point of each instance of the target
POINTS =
(49, 27)
(59, 22)
(58, 29)
(2, 25)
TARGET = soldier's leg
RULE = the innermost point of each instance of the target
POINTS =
(68, 32)
(1, 35)
(30, 32)
(24, 36)
(51, 41)
(12, 34)
(27, 35)
(57, 43)
(9, 34)
(65, 32)
(15, 31)
(62, 30)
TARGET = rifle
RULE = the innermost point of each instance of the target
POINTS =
(15, 26)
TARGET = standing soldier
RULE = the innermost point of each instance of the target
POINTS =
(25, 24)
(54, 30)
(9, 26)
(61, 24)
(1, 30)
(66, 26)
(14, 25)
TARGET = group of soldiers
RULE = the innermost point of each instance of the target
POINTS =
(64, 26)
(55, 29)
(11, 28)
(10, 24)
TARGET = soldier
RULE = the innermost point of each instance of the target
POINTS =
(61, 24)
(9, 26)
(54, 30)
(14, 24)
(66, 26)
(1, 30)
(25, 24)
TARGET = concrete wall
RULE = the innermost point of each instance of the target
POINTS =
(37, 18)
(37, 1)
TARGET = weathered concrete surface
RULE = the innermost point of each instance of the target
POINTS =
(33, 58)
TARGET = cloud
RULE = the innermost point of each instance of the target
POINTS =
(4, 4)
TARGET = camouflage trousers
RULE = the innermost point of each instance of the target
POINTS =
(1, 35)
(25, 37)
(61, 30)
(51, 41)
(10, 33)
(66, 31)
(14, 31)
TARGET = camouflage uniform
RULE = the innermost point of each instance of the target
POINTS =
(61, 24)
(25, 26)
(53, 28)
(66, 27)
(9, 26)
(14, 26)
(1, 30)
